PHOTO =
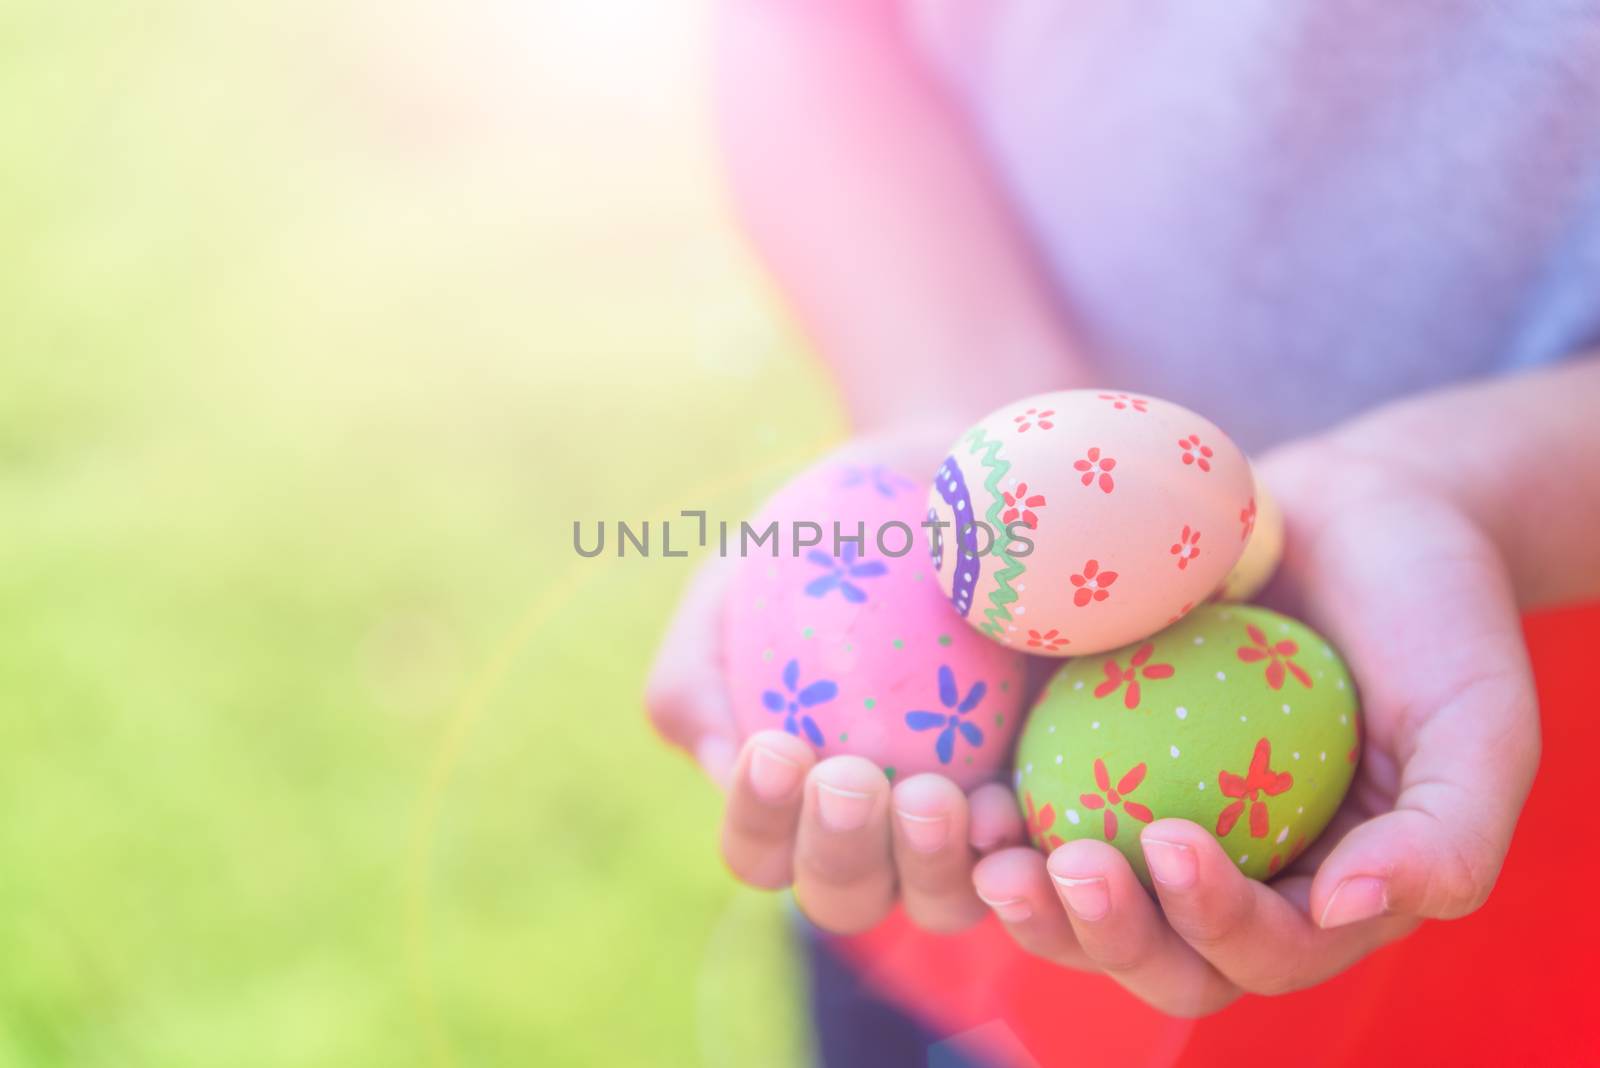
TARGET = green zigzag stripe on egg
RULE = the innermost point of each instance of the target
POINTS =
(988, 453)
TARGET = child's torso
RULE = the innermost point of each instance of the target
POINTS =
(1284, 211)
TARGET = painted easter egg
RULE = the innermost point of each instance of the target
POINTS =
(1078, 521)
(1237, 718)
(853, 647)
(1262, 533)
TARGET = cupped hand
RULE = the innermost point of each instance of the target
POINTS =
(834, 829)
(1416, 596)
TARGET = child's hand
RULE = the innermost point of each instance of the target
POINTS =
(1414, 592)
(848, 843)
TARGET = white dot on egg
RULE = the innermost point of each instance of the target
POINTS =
(1338, 684)
(1029, 767)
(1297, 756)
(1344, 719)
(1284, 627)
(1199, 639)
(1021, 609)
(1244, 719)
(1174, 751)
(1021, 586)
(1051, 729)
(1202, 786)
(1095, 725)
(1222, 676)
(1322, 756)
(1058, 758)
(1243, 859)
(1327, 652)
(1072, 815)
(1301, 810)
(1283, 835)
(1182, 713)
(1286, 710)
(1078, 685)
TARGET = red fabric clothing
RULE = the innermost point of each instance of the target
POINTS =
(1512, 984)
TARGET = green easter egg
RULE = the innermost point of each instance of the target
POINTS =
(1237, 718)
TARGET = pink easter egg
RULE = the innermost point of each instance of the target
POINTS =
(1083, 520)
(852, 646)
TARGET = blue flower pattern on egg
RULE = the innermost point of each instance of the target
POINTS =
(886, 482)
(792, 703)
(952, 721)
(841, 571)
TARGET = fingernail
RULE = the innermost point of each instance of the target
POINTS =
(1011, 910)
(773, 777)
(1359, 898)
(1087, 898)
(1171, 863)
(925, 834)
(842, 810)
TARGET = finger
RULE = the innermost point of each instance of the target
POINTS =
(1254, 935)
(1453, 700)
(763, 811)
(1124, 934)
(931, 854)
(993, 820)
(684, 693)
(844, 877)
(1014, 884)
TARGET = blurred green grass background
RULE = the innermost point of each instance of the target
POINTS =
(319, 325)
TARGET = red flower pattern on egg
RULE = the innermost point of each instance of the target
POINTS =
(1187, 547)
(1110, 797)
(1279, 655)
(1034, 417)
(1040, 820)
(1247, 788)
(1050, 641)
(1124, 402)
(1195, 453)
(1097, 468)
(1247, 520)
(1117, 675)
(1020, 505)
(1092, 583)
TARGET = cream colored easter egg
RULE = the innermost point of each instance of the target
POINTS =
(1074, 522)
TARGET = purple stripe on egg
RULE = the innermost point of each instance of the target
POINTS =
(952, 486)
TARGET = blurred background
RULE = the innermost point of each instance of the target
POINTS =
(320, 323)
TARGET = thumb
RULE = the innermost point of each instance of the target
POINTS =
(1451, 703)
(1438, 853)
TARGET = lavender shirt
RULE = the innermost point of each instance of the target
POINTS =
(1280, 212)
